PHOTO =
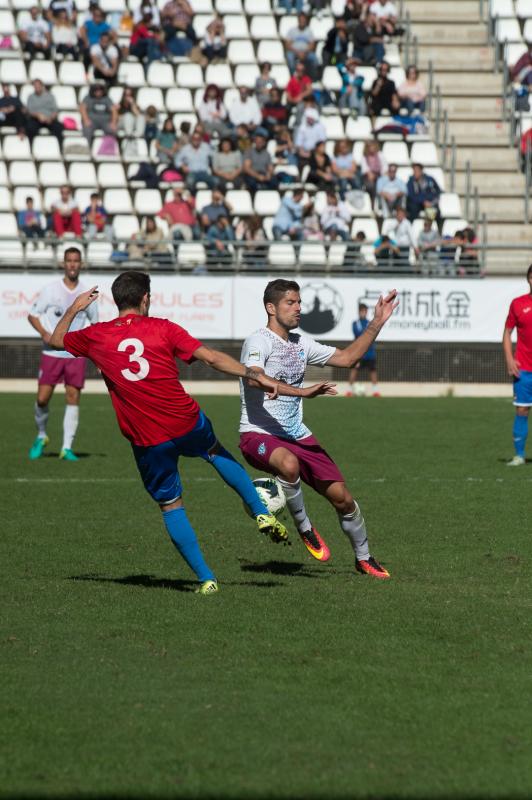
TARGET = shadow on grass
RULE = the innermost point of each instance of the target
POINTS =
(176, 584)
(292, 568)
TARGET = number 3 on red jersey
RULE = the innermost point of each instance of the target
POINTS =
(134, 358)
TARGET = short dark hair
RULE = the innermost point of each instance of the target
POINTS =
(529, 272)
(362, 306)
(71, 250)
(129, 289)
(275, 290)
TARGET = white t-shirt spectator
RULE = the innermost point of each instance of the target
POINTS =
(381, 11)
(247, 113)
(106, 56)
(36, 30)
(308, 136)
(402, 232)
(300, 39)
(64, 206)
(339, 216)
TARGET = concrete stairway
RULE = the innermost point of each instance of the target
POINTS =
(452, 36)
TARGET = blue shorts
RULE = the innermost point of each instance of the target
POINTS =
(523, 389)
(158, 463)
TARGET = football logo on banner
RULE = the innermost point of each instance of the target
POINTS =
(321, 308)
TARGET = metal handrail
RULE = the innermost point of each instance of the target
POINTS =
(528, 166)
(467, 192)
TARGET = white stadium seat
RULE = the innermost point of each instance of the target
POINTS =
(240, 201)
(501, 8)
(99, 253)
(8, 225)
(240, 51)
(202, 6)
(336, 254)
(252, 7)
(359, 128)
(334, 125)
(312, 254)
(131, 74)
(150, 96)
(396, 153)
(367, 226)
(72, 73)
(450, 206)
(286, 24)
(523, 9)
(508, 30)
(7, 23)
(111, 176)
(331, 79)
(267, 202)
(246, 74)
(22, 173)
(281, 255)
(65, 97)
(263, 27)
(46, 148)
(424, 153)
(200, 23)
(177, 100)
(272, 51)
(148, 201)
(450, 226)
(43, 70)
(125, 225)
(228, 6)
(52, 173)
(118, 201)
(220, 75)
(191, 254)
(13, 70)
(160, 75)
(16, 148)
(82, 173)
(190, 76)
(5, 200)
(19, 197)
(236, 26)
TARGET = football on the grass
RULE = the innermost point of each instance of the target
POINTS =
(271, 493)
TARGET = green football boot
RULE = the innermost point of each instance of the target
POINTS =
(37, 448)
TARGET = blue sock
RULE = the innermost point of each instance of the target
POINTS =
(237, 478)
(520, 434)
(182, 535)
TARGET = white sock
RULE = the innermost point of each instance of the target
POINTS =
(375, 388)
(296, 505)
(70, 425)
(41, 418)
(354, 527)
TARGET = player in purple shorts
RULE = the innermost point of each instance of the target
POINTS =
(58, 366)
(273, 436)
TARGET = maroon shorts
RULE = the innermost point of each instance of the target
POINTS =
(315, 464)
(70, 371)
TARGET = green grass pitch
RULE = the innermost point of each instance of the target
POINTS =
(298, 680)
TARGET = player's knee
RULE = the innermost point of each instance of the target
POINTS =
(289, 468)
(522, 411)
(343, 502)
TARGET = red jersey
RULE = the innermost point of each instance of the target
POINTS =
(520, 317)
(295, 86)
(136, 355)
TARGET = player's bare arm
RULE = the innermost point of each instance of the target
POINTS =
(81, 302)
(511, 364)
(316, 390)
(349, 356)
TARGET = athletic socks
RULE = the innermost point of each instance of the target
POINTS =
(296, 505)
(237, 478)
(520, 434)
(354, 527)
(182, 535)
(41, 419)
(70, 425)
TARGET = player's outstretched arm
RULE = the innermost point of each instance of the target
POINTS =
(81, 302)
(511, 364)
(348, 356)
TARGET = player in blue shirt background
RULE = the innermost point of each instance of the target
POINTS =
(369, 361)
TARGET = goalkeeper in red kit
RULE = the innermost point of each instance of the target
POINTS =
(137, 357)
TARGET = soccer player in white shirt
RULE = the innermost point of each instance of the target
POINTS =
(58, 366)
(273, 436)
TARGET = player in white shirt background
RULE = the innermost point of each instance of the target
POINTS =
(273, 436)
(58, 366)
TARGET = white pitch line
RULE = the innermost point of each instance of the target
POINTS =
(213, 480)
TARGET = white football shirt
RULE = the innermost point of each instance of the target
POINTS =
(285, 361)
(50, 305)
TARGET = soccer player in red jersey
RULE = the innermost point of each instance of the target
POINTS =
(136, 355)
(520, 366)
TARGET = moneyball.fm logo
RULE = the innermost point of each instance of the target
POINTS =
(321, 308)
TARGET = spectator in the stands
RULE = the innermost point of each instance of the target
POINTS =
(335, 218)
(308, 134)
(65, 36)
(214, 41)
(412, 92)
(96, 219)
(299, 87)
(350, 10)
(312, 231)
(151, 125)
(98, 112)
(59, 5)
(383, 94)
(219, 235)
(212, 111)
(336, 43)
(245, 110)
(345, 169)
(352, 92)
(428, 243)
(42, 112)
(227, 164)
(131, 121)
(31, 222)
(91, 31)
(320, 172)
(166, 144)
(400, 229)
(391, 191)
(176, 16)
(264, 84)
(35, 34)
(291, 5)
(148, 7)
(11, 110)
(105, 59)
(285, 149)
(180, 214)
(521, 72)
(258, 167)
(368, 41)
(300, 45)
(288, 220)
(423, 193)
(218, 207)
(243, 138)
(147, 41)
(373, 165)
(386, 13)
(193, 161)
(250, 231)
(274, 111)
(386, 252)
(148, 244)
(65, 214)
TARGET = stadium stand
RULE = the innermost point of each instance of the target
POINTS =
(111, 143)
